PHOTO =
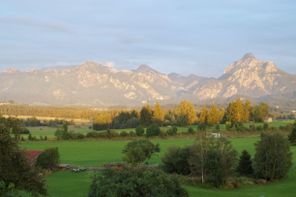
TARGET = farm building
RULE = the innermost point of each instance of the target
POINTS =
(32, 156)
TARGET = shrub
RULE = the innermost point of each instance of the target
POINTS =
(240, 127)
(175, 160)
(265, 126)
(202, 127)
(109, 133)
(21, 130)
(140, 131)
(228, 126)
(93, 134)
(16, 173)
(245, 164)
(139, 151)
(273, 157)
(100, 126)
(49, 159)
(259, 128)
(252, 127)
(62, 133)
(217, 127)
(172, 131)
(136, 182)
(213, 159)
(153, 130)
(292, 136)
(190, 130)
(30, 137)
(182, 120)
(104, 134)
(73, 135)
(123, 134)
(132, 133)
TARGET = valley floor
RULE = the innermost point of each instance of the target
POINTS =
(99, 152)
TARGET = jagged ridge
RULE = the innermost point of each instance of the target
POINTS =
(96, 84)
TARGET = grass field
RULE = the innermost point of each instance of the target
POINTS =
(84, 129)
(99, 152)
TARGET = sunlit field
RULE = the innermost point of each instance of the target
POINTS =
(99, 152)
(84, 129)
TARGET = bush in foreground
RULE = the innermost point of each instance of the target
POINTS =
(273, 157)
(214, 160)
(136, 182)
(292, 136)
(175, 160)
(16, 173)
(245, 164)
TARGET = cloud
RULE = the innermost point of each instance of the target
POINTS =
(25, 21)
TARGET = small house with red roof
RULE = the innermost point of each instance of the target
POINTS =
(32, 156)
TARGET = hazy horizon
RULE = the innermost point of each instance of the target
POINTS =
(185, 37)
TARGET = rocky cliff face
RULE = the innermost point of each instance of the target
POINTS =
(95, 84)
(248, 77)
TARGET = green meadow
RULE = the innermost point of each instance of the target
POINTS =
(84, 129)
(99, 152)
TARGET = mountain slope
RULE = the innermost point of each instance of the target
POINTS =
(249, 77)
(95, 84)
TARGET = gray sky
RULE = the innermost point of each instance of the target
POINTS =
(188, 36)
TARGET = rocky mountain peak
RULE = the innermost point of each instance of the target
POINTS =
(270, 67)
(248, 56)
(145, 68)
(93, 67)
(248, 61)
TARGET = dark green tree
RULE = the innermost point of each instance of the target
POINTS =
(136, 182)
(146, 115)
(63, 133)
(292, 135)
(139, 151)
(153, 130)
(214, 160)
(172, 131)
(15, 171)
(175, 160)
(273, 157)
(140, 131)
(190, 130)
(245, 167)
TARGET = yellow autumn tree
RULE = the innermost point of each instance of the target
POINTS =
(203, 116)
(185, 112)
(247, 111)
(235, 112)
(158, 113)
(215, 115)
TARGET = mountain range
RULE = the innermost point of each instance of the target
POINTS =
(94, 84)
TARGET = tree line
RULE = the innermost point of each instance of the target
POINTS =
(183, 114)
(236, 113)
